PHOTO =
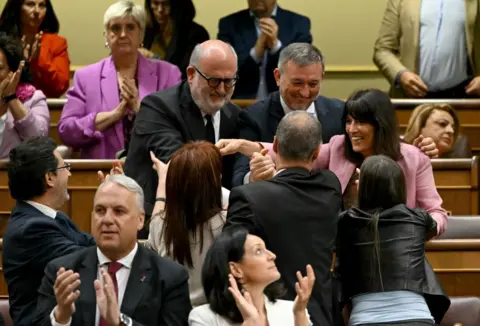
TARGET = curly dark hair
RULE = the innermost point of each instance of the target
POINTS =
(13, 52)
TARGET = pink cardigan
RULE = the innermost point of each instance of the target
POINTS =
(421, 189)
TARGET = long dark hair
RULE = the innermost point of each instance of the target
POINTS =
(182, 13)
(229, 246)
(10, 19)
(381, 186)
(194, 196)
(374, 107)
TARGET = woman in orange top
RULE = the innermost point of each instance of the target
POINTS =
(35, 23)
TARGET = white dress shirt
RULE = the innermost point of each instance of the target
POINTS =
(215, 122)
(50, 212)
(311, 109)
(122, 280)
(279, 313)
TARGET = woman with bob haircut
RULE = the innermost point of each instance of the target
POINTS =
(239, 279)
(23, 109)
(171, 33)
(34, 23)
(371, 128)
(380, 252)
(102, 104)
(440, 122)
(184, 225)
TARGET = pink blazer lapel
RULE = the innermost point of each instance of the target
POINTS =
(147, 77)
(111, 94)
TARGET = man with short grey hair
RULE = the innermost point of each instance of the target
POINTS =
(296, 211)
(117, 282)
(196, 109)
(299, 75)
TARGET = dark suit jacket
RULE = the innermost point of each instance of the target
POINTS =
(296, 214)
(167, 120)
(31, 240)
(181, 45)
(156, 292)
(239, 30)
(267, 115)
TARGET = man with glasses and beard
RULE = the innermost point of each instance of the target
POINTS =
(196, 109)
(36, 232)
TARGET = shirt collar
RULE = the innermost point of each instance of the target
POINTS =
(273, 14)
(214, 116)
(125, 261)
(50, 212)
(286, 109)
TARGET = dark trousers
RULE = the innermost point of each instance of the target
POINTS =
(405, 323)
(456, 92)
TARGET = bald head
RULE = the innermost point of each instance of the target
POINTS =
(212, 50)
(298, 135)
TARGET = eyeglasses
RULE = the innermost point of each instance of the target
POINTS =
(67, 167)
(214, 82)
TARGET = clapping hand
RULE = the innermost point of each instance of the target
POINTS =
(269, 27)
(245, 304)
(66, 293)
(116, 169)
(129, 92)
(31, 52)
(304, 288)
(107, 299)
(9, 84)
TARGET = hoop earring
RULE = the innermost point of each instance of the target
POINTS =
(106, 45)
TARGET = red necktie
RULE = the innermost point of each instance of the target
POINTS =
(112, 270)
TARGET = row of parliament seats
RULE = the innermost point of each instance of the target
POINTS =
(468, 112)
(455, 256)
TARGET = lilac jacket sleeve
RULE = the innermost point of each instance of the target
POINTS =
(427, 195)
(37, 122)
(77, 125)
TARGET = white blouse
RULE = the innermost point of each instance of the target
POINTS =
(279, 313)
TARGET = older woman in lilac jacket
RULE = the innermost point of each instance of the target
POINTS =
(101, 106)
(23, 109)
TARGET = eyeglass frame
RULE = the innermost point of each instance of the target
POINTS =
(67, 167)
(217, 80)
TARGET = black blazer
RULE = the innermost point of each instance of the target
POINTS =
(31, 240)
(181, 45)
(267, 115)
(167, 120)
(156, 292)
(296, 214)
(239, 30)
(403, 264)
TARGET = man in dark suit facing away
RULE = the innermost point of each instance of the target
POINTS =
(36, 232)
(258, 34)
(296, 211)
(198, 109)
(118, 282)
(299, 75)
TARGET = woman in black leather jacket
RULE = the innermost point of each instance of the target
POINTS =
(381, 264)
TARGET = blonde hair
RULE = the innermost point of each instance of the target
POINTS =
(125, 8)
(419, 118)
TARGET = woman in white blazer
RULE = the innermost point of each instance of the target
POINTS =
(239, 280)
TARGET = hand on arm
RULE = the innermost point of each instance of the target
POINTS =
(261, 166)
(232, 146)
(426, 145)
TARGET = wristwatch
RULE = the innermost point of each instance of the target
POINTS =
(125, 320)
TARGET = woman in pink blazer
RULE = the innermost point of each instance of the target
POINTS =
(371, 128)
(101, 106)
